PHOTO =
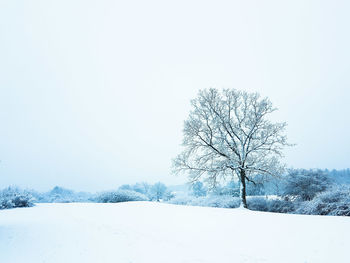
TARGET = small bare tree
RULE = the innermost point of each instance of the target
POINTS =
(226, 134)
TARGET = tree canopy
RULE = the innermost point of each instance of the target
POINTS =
(228, 133)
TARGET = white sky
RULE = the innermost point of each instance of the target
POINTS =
(93, 94)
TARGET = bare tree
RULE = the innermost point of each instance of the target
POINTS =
(227, 134)
(158, 191)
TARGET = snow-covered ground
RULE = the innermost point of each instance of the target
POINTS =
(152, 232)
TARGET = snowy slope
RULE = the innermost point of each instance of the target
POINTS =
(152, 232)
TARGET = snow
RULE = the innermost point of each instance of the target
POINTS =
(135, 232)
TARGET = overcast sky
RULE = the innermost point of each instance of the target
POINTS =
(94, 93)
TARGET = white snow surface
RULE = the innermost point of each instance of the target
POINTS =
(136, 232)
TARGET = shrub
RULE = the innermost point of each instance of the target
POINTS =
(306, 183)
(270, 205)
(223, 201)
(257, 203)
(281, 206)
(120, 196)
(182, 200)
(335, 201)
(13, 197)
(207, 201)
(62, 195)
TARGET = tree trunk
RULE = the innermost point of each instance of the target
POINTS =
(243, 190)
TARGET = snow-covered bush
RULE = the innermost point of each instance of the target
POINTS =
(260, 203)
(156, 192)
(306, 183)
(218, 199)
(182, 200)
(207, 201)
(281, 206)
(12, 197)
(224, 201)
(120, 196)
(257, 203)
(335, 201)
(62, 195)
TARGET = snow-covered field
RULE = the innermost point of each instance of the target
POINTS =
(152, 232)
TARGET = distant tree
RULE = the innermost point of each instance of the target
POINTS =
(232, 188)
(58, 194)
(62, 195)
(158, 190)
(227, 133)
(168, 195)
(58, 190)
(198, 189)
(305, 183)
(229, 189)
(142, 188)
(274, 186)
(125, 187)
